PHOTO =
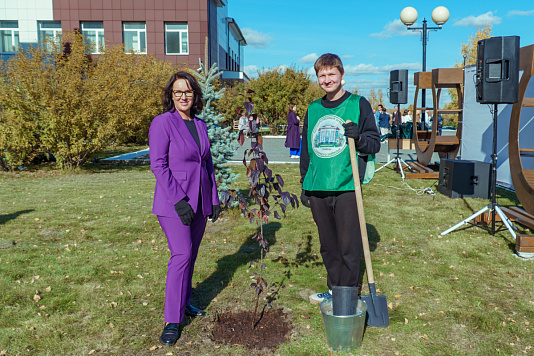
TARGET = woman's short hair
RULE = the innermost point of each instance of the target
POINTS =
(328, 60)
(291, 106)
(198, 103)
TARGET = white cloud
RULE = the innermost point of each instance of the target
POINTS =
(256, 39)
(394, 28)
(310, 58)
(361, 69)
(251, 70)
(520, 13)
(481, 20)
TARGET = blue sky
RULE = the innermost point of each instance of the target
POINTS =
(368, 35)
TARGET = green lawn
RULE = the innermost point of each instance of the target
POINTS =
(83, 265)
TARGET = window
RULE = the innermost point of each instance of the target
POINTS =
(49, 31)
(9, 36)
(176, 38)
(93, 32)
(134, 34)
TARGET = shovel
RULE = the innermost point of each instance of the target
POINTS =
(377, 306)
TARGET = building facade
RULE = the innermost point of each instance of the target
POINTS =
(177, 31)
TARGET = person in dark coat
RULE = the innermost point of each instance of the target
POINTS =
(293, 132)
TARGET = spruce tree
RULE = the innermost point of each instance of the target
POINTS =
(222, 140)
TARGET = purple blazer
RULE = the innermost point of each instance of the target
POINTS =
(181, 169)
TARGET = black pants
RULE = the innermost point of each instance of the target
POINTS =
(336, 216)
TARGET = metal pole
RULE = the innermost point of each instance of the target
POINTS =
(494, 171)
(423, 92)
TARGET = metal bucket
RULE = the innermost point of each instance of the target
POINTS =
(343, 332)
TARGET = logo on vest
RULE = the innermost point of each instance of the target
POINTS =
(328, 136)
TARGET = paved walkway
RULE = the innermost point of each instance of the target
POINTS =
(277, 153)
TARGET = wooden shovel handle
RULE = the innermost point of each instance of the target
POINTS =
(359, 204)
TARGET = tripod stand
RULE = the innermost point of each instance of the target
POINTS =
(399, 161)
(493, 207)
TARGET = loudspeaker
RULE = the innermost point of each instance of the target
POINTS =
(398, 86)
(497, 76)
(464, 179)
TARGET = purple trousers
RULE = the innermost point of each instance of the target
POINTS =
(183, 242)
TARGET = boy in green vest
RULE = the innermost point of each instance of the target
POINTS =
(326, 174)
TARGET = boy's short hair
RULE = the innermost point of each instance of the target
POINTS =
(328, 60)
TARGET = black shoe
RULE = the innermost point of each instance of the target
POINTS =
(170, 334)
(194, 311)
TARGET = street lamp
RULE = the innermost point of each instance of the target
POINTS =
(408, 16)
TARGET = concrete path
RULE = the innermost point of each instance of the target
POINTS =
(277, 153)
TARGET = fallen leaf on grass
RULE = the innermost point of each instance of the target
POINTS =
(111, 325)
(405, 321)
(398, 295)
(48, 289)
(36, 298)
(425, 336)
(390, 305)
(91, 352)
(154, 348)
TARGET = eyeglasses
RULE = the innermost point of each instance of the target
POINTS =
(178, 93)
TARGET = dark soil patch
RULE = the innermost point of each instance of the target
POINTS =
(271, 330)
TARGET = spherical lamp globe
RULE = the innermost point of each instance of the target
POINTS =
(408, 16)
(440, 15)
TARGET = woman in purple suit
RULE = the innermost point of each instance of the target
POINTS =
(185, 194)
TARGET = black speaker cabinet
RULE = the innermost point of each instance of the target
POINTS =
(464, 179)
(497, 77)
(398, 86)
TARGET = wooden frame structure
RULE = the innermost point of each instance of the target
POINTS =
(523, 179)
(428, 142)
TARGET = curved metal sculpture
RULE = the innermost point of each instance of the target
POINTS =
(523, 179)
(428, 142)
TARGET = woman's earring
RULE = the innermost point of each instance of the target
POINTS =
(343, 82)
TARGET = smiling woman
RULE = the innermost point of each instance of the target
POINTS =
(185, 194)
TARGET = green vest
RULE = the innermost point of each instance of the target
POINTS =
(330, 167)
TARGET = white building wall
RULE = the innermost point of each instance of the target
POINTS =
(27, 12)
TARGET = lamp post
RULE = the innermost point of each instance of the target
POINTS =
(408, 16)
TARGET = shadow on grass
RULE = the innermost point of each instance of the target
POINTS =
(7, 217)
(249, 251)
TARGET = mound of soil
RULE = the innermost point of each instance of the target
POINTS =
(271, 330)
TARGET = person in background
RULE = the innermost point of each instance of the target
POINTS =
(384, 122)
(243, 121)
(406, 116)
(396, 116)
(293, 132)
(185, 194)
(376, 113)
(326, 173)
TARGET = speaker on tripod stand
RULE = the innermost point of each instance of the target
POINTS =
(398, 94)
(497, 77)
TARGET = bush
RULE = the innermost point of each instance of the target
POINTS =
(56, 99)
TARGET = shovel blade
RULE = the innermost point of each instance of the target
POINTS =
(377, 310)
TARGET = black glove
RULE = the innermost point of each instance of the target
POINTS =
(305, 200)
(185, 212)
(352, 130)
(216, 210)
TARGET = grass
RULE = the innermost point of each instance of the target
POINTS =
(83, 265)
